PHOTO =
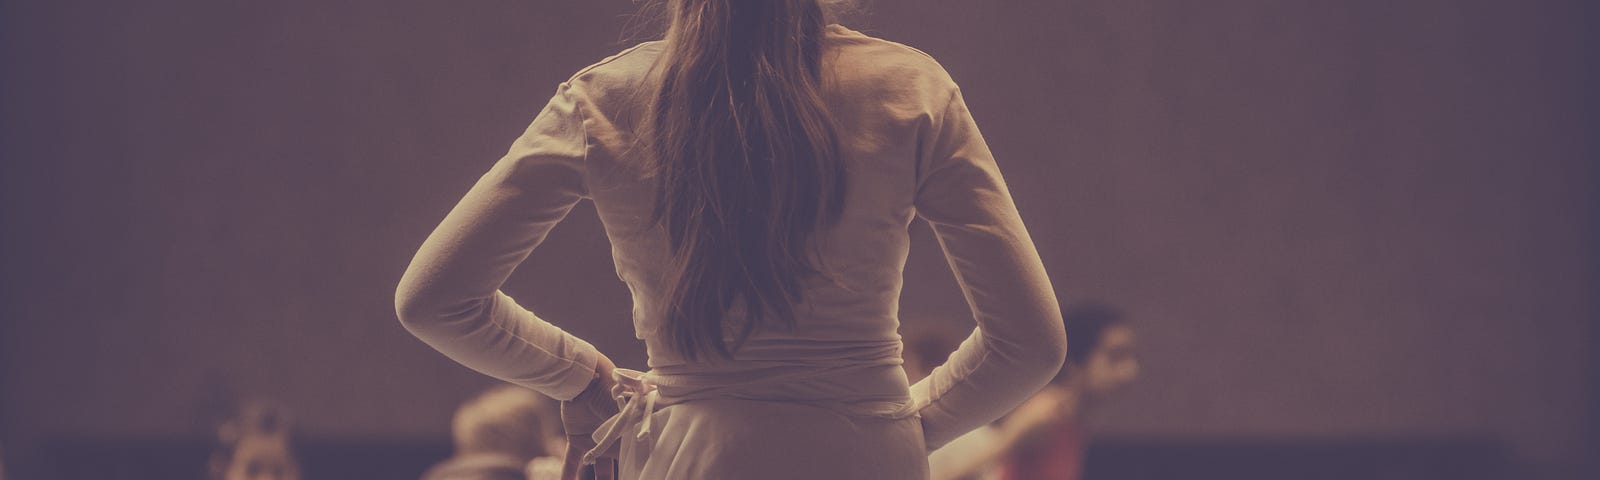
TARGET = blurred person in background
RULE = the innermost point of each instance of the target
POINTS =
(1045, 439)
(505, 433)
(1046, 435)
(254, 445)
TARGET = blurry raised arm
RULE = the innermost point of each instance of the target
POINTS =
(450, 295)
(1019, 344)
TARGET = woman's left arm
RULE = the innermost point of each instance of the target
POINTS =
(450, 295)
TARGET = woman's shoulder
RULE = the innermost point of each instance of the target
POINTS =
(638, 59)
(616, 77)
(886, 62)
(867, 63)
(631, 61)
(843, 35)
(623, 66)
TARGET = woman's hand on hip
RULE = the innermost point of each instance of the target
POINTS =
(581, 416)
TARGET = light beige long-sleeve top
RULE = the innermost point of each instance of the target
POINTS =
(832, 384)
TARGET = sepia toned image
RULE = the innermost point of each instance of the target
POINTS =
(799, 239)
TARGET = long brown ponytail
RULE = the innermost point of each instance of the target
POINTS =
(748, 165)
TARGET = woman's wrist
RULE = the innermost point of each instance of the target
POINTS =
(600, 384)
(595, 387)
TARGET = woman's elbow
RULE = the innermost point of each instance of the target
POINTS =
(1047, 349)
(1039, 352)
(409, 308)
(1051, 339)
(1056, 347)
(418, 310)
(424, 312)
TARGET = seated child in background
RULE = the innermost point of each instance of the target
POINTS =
(254, 445)
(505, 433)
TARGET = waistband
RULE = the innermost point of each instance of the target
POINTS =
(857, 389)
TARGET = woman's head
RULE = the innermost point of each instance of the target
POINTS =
(1100, 346)
(748, 165)
(832, 9)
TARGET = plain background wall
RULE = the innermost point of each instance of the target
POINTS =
(1325, 218)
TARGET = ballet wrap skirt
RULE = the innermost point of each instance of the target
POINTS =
(867, 390)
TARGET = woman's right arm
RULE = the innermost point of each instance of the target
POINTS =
(1019, 343)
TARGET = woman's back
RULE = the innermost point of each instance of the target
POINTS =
(882, 95)
(825, 399)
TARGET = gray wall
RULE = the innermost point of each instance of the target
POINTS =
(1325, 218)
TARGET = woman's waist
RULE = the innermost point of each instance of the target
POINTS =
(781, 352)
(866, 385)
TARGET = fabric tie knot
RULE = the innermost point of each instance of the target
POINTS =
(636, 398)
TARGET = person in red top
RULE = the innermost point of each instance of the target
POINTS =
(1045, 436)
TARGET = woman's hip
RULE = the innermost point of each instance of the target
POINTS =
(738, 438)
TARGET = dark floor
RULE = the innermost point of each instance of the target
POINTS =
(1109, 459)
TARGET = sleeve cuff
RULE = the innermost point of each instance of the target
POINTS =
(580, 373)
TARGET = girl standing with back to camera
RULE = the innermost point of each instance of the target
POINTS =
(755, 171)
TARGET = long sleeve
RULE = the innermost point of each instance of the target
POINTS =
(450, 294)
(1019, 344)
